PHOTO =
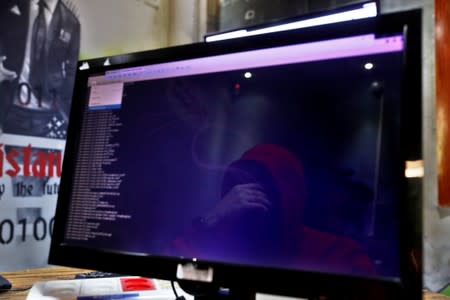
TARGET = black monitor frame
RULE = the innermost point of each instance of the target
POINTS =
(257, 279)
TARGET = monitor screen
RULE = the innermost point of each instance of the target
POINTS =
(285, 155)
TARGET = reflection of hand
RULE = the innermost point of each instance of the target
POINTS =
(241, 200)
(5, 74)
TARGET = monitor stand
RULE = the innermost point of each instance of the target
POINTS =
(209, 291)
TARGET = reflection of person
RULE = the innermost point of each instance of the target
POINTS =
(39, 45)
(259, 219)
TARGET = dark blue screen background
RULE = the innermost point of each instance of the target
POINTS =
(180, 135)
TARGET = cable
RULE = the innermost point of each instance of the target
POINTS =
(172, 283)
(16, 290)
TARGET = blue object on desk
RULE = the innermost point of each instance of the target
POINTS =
(109, 297)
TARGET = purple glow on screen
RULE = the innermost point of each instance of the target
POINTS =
(299, 136)
(307, 52)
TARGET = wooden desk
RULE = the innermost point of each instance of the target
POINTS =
(26, 278)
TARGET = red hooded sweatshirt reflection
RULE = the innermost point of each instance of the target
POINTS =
(282, 240)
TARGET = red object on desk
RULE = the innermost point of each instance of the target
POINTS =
(137, 284)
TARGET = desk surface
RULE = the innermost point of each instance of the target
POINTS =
(26, 278)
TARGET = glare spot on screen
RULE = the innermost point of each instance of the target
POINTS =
(368, 66)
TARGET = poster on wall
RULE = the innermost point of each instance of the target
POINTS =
(39, 47)
(40, 44)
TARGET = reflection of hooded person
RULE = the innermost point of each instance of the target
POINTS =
(259, 219)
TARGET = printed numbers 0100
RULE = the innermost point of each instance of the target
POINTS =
(41, 228)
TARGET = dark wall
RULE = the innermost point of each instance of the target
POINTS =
(241, 13)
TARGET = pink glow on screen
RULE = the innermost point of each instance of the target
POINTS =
(299, 53)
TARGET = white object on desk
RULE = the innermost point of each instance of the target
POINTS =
(72, 289)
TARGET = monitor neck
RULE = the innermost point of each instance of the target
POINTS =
(210, 291)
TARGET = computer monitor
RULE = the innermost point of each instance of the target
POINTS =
(271, 164)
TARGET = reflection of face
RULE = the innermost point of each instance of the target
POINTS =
(255, 229)
(255, 235)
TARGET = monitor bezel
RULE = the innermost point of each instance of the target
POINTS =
(252, 278)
